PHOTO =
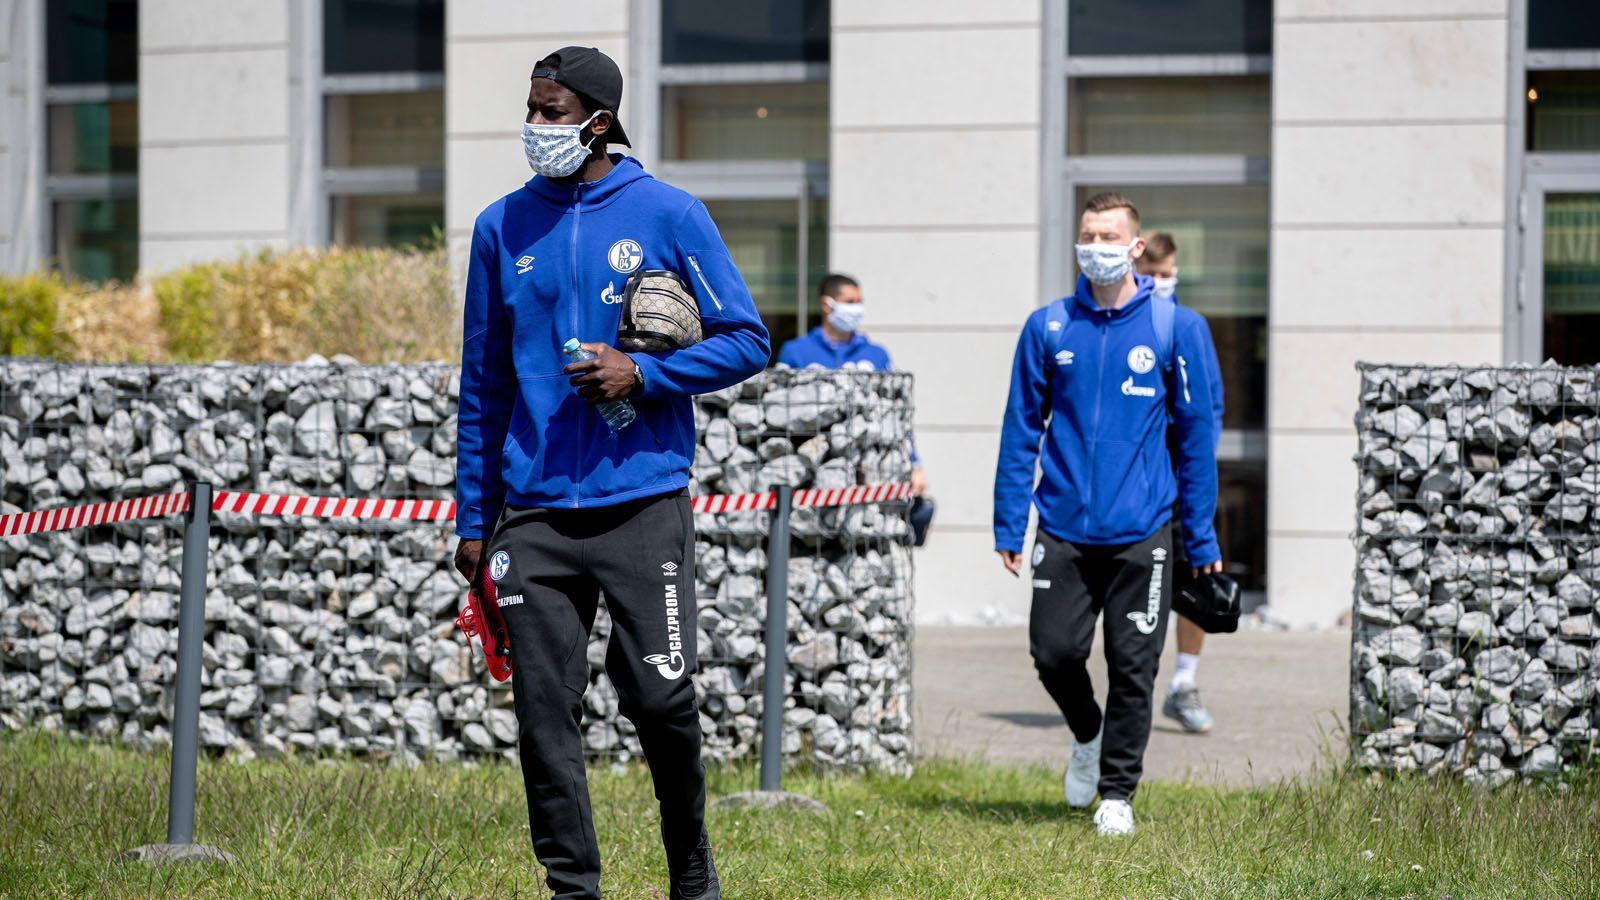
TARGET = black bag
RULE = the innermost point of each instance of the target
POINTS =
(921, 515)
(659, 313)
(1210, 601)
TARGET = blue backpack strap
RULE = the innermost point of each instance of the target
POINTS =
(1164, 317)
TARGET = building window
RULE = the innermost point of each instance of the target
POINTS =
(92, 42)
(92, 138)
(1571, 277)
(1562, 25)
(752, 31)
(383, 121)
(379, 36)
(764, 237)
(1159, 27)
(721, 121)
(742, 94)
(1169, 116)
(1563, 111)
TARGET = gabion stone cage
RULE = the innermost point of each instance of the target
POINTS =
(1477, 571)
(337, 635)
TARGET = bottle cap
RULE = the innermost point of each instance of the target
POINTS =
(571, 346)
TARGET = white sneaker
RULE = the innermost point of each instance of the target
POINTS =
(1082, 780)
(1114, 817)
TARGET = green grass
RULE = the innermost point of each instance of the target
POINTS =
(348, 829)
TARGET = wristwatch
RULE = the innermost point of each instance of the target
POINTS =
(638, 377)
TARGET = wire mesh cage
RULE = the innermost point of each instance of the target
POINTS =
(337, 634)
(1477, 571)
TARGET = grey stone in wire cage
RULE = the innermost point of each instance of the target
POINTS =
(1476, 636)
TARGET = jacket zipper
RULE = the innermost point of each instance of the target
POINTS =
(572, 318)
(710, 292)
(1094, 428)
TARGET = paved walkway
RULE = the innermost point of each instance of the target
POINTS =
(1277, 697)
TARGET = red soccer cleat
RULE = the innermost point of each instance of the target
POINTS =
(481, 619)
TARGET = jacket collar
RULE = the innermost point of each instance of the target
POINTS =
(625, 170)
(1083, 298)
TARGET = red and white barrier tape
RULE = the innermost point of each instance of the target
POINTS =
(332, 507)
(67, 517)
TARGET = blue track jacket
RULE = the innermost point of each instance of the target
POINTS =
(1100, 391)
(859, 352)
(549, 262)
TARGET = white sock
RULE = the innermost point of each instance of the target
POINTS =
(1183, 673)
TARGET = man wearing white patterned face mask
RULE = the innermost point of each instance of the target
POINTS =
(593, 510)
(839, 343)
(1097, 379)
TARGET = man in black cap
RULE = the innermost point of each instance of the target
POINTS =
(557, 504)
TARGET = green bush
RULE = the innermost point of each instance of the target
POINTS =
(375, 304)
(187, 313)
(28, 316)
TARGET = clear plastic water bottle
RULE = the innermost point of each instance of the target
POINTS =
(618, 414)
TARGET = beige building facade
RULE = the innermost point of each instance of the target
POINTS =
(1409, 180)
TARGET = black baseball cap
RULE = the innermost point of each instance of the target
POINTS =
(592, 74)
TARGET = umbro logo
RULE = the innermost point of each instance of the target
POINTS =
(1064, 358)
(669, 567)
(524, 264)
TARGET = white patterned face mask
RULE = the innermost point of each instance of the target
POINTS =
(1165, 287)
(847, 317)
(1105, 263)
(555, 151)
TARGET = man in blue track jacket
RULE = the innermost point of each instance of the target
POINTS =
(568, 507)
(839, 343)
(1097, 376)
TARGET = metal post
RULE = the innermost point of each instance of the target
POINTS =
(777, 665)
(180, 845)
(777, 661)
(191, 630)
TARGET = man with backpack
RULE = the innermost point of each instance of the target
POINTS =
(1096, 379)
(1160, 262)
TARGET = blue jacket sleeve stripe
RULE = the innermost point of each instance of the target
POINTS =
(736, 344)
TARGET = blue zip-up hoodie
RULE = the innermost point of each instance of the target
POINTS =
(549, 262)
(815, 349)
(1101, 391)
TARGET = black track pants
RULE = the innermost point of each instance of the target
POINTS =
(1132, 585)
(554, 565)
